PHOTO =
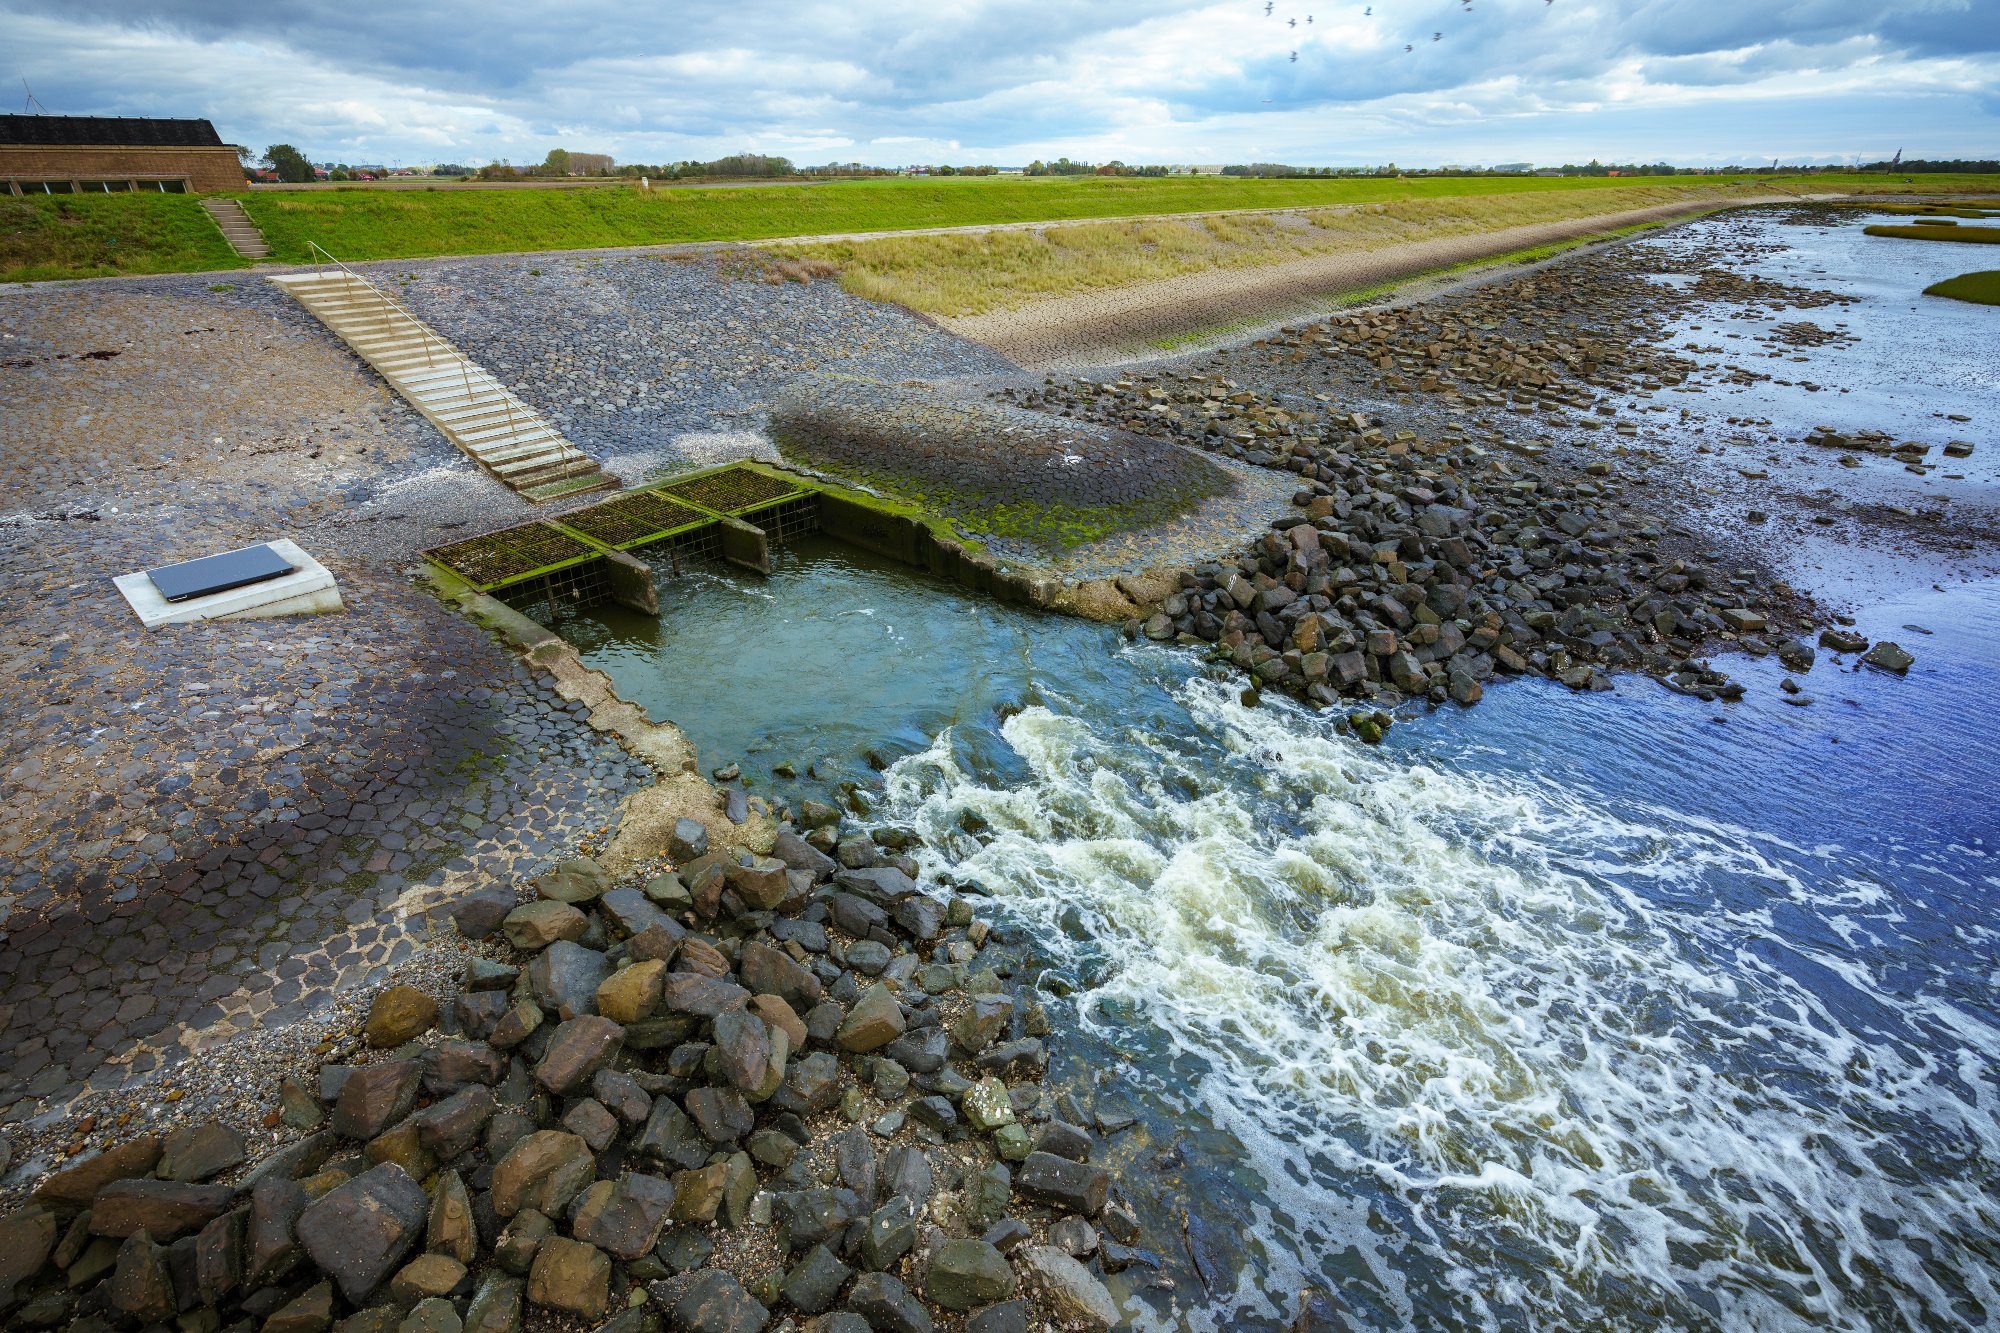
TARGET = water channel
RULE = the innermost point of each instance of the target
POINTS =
(1598, 1010)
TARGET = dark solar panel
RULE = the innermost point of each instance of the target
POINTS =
(218, 573)
(124, 131)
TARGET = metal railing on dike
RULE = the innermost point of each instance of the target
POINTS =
(431, 340)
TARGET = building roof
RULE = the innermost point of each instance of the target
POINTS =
(98, 131)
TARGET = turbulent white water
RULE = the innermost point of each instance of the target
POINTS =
(1503, 1052)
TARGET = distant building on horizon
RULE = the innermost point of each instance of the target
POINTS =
(114, 154)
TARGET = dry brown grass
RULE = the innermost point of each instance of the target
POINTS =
(971, 273)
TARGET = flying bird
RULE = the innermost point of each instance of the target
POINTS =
(1368, 13)
(1269, 5)
(1295, 57)
(1437, 36)
(1291, 23)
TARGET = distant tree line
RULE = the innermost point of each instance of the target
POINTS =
(1921, 167)
(1062, 166)
(748, 166)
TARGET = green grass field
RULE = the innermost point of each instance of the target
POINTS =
(81, 236)
(85, 236)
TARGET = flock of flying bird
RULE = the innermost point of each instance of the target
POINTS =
(1367, 12)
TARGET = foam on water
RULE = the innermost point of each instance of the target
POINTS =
(1502, 1050)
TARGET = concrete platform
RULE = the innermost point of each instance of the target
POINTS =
(308, 590)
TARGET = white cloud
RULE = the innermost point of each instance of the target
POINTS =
(1006, 80)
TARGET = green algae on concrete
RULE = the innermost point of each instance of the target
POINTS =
(1035, 484)
(1982, 288)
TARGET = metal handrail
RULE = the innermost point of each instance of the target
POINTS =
(430, 337)
(391, 302)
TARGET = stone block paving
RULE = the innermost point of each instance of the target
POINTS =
(636, 357)
(213, 828)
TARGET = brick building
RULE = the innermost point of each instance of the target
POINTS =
(113, 154)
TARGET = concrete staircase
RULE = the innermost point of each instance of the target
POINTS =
(475, 411)
(237, 228)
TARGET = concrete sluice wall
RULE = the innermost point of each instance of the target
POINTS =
(581, 568)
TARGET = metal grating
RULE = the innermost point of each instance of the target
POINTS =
(512, 554)
(545, 597)
(634, 518)
(788, 520)
(732, 490)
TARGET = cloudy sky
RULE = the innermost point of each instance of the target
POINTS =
(1002, 81)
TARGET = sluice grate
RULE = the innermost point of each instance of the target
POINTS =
(512, 554)
(788, 520)
(634, 519)
(544, 597)
(732, 490)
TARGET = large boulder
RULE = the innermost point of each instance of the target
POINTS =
(544, 1171)
(769, 971)
(196, 1152)
(1076, 1187)
(887, 1305)
(875, 1020)
(969, 1273)
(375, 1097)
(359, 1233)
(632, 994)
(479, 913)
(570, 1276)
(577, 1050)
(26, 1238)
(75, 1186)
(399, 1014)
(623, 1217)
(164, 1209)
(539, 924)
(1077, 1296)
(715, 1302)
(141, 1286)
(565, 977)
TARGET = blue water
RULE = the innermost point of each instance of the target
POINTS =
(1565, 1011)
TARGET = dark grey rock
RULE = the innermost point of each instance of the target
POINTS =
(887, 1305)
(359, 1232)
(375, 1097)
(164, 1209)
(715, 1302)
(565, 977)
(814, 1282)
(965, 1274)
(577, 1050)
(196, 1152)
(1077, 1187)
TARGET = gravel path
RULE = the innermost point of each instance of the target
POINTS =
(1097, 328)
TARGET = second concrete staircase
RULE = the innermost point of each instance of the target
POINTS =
(475, 411)
(237, 228)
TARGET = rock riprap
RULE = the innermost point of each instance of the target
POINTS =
(802, 1088)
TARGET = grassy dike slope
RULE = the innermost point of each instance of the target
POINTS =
(84, 236)
(961, 274)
